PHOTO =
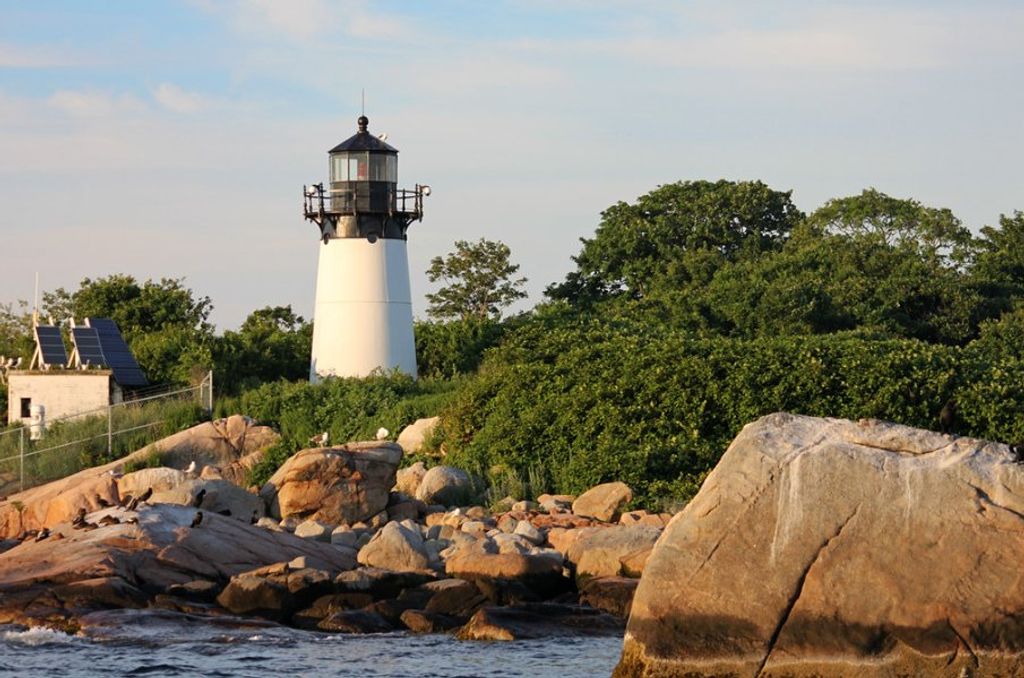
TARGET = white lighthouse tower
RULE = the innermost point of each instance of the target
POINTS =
(363, 315)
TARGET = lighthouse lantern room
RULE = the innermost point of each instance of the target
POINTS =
(363, 315)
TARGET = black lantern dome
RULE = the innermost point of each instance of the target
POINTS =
(363, 198)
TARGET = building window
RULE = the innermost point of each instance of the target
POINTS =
(26, 408)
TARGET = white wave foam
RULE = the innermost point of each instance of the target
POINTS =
(38, 636)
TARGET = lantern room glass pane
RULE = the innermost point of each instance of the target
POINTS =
(339, 168)
(358, 168)
(392, 168)
(378, 167)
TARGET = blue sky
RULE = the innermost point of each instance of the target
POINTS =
(172, 139)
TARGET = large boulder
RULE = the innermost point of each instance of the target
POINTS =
(825, 547)
(219, 496)
(158, 552)
(213, 443)
(535, 577)
(415, 434)
(397, 546)
(158, 479)
(599, 551)
(538, 621)
(335, 485)
(225, 443)
(56, 502)
(603, 502)
(445, 485)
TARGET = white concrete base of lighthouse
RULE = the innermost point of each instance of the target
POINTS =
(363, 315)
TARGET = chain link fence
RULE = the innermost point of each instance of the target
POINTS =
(84, 439)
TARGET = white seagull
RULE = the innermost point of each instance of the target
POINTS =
(382, 433)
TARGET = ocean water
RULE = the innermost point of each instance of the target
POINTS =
(143, 643)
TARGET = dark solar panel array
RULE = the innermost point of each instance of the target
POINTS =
(116, 353)
(87, 341)
(51, 345)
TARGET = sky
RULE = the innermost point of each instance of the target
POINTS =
(172, 138)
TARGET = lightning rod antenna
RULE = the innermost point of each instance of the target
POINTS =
(35, 303)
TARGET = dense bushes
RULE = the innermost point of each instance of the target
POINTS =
(347, 409)
(656, 408)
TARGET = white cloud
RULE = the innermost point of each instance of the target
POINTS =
(91, 103)
(177, 99)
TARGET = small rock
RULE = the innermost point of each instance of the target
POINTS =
(474, 527)
(603, 501)
(343, 535)
(613, 595)
(378, 521)
(542, 620)
(269, 524)
(312, 529)
(397, 546)
(530, 533)
(290, 523)
(553, 503)
(445, 485)
(247, 594)
(511, 543)
(420, 621)
(525, 506)
(413, 436)
(507, 523)
(355, 621)
(505, 504)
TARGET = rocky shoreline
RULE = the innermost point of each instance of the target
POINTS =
(817, 547)
(339, 540)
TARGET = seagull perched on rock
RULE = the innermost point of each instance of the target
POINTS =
(320, 440)
(382, 433)
(191, 468)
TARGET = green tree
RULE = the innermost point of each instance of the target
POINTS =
(676, 237)
(16, 341)
(164, 322)
(273, 343)
(999, 266)
(478, 281)
(136, 308)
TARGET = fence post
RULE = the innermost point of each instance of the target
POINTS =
(209, 393)
(21, 459)
(110, 431)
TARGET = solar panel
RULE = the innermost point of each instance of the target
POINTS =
(51, 345)
(87, 343)
(116, 353)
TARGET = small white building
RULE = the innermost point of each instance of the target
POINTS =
(57, 386)
(62, 393)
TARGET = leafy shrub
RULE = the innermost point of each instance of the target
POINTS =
(601, 401)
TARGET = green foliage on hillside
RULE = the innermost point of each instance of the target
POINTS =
(692, 311)
(595, 402)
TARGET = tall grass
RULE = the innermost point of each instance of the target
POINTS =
(70, 446)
